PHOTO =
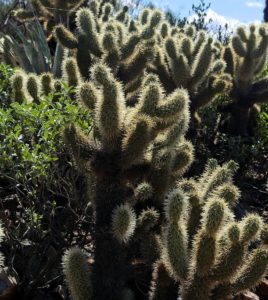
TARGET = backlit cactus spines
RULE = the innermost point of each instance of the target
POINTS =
(18, 87)
(66, 37)
(86, 25)
(70, 72)
(252, 225)
(213, 260)
(137, 140)
(80, 144)
(143, 191)
(111, 107)
(46, 80)
(128, 154)
(188, 59)
(147, 219)
(246, 57)
(33, 87)
(248, 277)
(77, 274)
(175, 254)
(88, 94)
(229, 192)
(103, 34)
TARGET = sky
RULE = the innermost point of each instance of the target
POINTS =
(230, 11)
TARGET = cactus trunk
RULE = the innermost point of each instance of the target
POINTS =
(109, 271)
(239, 119)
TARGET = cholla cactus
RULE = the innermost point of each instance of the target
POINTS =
(191, 60)
(204, 248)
(31, 87)
(133, 155)
(246, 58)
(18, 93)
(102, 34)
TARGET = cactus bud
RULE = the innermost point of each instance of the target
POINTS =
(238, 46)
(143, 191)
(144, 16)
(148, 219)
(254, 269)
(17, 83)
(229, 192)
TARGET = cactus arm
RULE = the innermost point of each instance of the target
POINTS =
(86, 25)
(66, 37)
(173, 105)
(81, 147)
(77, 274)
(110, 110)
(70, 72)
(136, 140)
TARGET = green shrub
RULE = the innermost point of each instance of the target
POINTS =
(31, 138)
(5, 73)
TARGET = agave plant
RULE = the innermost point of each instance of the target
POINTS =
(28, 49)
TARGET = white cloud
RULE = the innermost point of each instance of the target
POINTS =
(222, 20)
(219, 20)
(254, 4)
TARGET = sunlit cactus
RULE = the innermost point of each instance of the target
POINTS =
(18, 93)
(103, 33)
(33, 87)
(191, 60)
(216, 259)
(128, 152)
(46, 83)
(245, 57)
(70, 72)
